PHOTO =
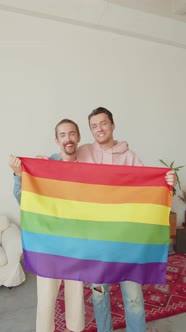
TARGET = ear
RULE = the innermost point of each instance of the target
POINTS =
(79, 138)
(56, 140)
(113, 126)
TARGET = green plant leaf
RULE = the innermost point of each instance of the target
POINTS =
(176, 169)
(163, 163)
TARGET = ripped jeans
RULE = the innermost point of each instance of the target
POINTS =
(133, 304)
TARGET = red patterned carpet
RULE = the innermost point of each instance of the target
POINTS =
(160, 300)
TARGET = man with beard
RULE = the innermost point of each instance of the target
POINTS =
(67, 136)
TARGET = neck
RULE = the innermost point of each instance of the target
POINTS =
(108, 145)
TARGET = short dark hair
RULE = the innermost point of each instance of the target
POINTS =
(100, 110)
(66, 121)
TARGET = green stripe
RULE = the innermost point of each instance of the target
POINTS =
(111, 231)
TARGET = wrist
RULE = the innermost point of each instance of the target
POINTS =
(17, 174)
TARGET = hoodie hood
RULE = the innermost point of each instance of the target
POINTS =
(119, 147)
(119, 154)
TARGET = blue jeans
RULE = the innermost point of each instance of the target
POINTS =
(133, 303)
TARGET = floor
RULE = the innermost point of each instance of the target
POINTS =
(18, 309)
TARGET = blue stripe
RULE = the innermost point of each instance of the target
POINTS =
(94, 250)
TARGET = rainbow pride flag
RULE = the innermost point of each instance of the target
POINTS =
(95, 223)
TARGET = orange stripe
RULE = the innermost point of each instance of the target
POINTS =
(96, 193)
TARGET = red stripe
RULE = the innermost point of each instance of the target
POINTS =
(118, 175)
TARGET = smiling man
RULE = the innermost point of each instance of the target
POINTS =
(67, 136)
(107, 150)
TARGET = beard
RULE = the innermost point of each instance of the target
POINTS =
(69, 150)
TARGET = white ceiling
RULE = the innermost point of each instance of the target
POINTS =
(175, 9)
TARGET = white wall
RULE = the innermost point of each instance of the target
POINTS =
(50, 69)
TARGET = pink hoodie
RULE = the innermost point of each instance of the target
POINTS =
(119, 154)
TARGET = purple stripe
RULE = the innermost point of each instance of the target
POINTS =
(58, 267)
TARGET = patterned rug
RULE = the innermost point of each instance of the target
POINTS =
(160, 300)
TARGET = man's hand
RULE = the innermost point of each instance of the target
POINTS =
(15, 165)
(171, 178)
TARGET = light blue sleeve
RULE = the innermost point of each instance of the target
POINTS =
(55, 156)
(17, 188)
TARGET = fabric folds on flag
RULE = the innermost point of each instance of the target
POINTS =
(95, 223)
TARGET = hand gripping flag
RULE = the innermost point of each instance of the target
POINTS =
(95, 223)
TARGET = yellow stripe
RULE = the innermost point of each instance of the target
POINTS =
(142, 213)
